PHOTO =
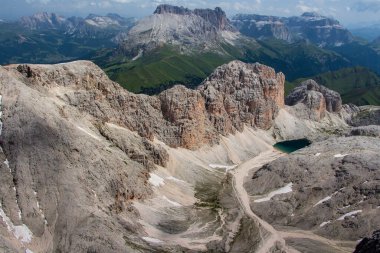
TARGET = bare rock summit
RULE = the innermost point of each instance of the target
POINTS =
(316, 99)
(238, 93)
(234, 95)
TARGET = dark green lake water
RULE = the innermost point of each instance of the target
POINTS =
(291, 146)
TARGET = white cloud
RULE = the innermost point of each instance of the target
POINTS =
(38, 1)
(301, 6)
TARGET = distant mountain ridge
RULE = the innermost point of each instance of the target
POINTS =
(76, 26)
(189, 30)
(310, 26)
(51, 38)
(178, 45)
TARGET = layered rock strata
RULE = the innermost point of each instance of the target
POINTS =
(316, 99)
(234, 95)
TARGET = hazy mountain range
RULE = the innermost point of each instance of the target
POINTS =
(179, 45)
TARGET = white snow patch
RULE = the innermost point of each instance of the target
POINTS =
(318, 154)
(171, 202)
(89, 133)
(152, 240)
(91, 22)
(325, 223)
(286, 189)
(323, 200)
(21, 232)
(138, 55)
(6, 162)
(156, 180)
(349, 214)
(230, 37)
(175, 179)
(28, 251)
(220, 166)
(95, 195)
(340, 155)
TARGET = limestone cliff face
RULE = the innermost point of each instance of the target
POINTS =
(234, 95)
(216, 17)
(316, 98)
(238, 94)
(312, 27)
(186, 110)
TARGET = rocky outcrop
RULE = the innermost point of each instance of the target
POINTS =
(61, 179)
(310, 26)
(372, 130)
(217, 17)
(334, 188)
(366, 115)
(236, 94)
(369, 245)
(316, 98)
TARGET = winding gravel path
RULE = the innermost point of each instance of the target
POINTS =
(240, 173)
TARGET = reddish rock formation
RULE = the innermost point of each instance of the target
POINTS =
(239, 93)
(234, 95)
(317, 99)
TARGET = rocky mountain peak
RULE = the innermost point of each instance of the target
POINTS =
(43, 20)
(217, 17)
(167, 8)
(187, 30)
(238, 93)
(311, 14)
(317, 99)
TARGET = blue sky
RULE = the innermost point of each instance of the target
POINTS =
(347, 11)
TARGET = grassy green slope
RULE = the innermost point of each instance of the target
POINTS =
(296, 60)
(360, 54)
(357, 85)
(165, 66)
